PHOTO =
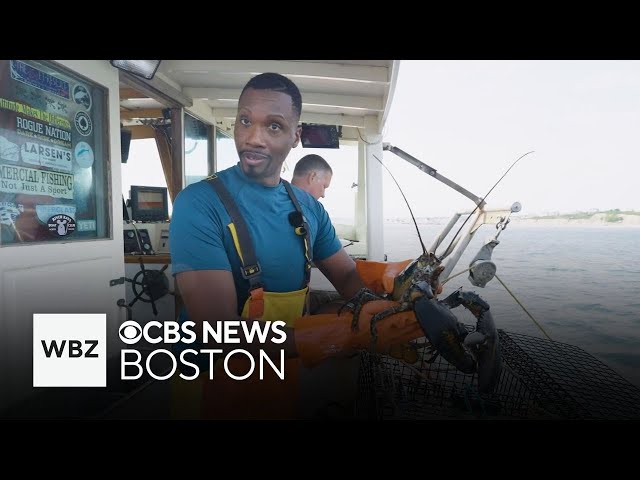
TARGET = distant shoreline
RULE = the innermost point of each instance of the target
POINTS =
(632, 222)
(595, 220)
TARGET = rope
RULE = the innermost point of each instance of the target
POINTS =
(525, 310)
(454, 276)
(510, 293)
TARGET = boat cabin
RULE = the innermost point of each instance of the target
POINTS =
(93, 152)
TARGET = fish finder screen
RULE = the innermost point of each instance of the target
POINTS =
(149, 204)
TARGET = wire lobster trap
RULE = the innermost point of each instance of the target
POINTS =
(540, 379)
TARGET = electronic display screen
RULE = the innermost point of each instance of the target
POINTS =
(149, 203)
(150, 200)
(319, 136)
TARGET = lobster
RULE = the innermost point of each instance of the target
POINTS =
(416, 288)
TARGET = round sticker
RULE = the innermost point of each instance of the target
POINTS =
(84, 154)
(83, 123)
(82, 96)
(61, 225)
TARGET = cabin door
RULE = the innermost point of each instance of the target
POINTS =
(60, 205)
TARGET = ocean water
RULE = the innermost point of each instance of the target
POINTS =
(582, 284)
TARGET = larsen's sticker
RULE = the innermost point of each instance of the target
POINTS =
(9, 211)
(46, 156)
(84, 154)
(37, 78)
(82, 96)
(45, 212)
(42, 131)
(61, 225)
(8, 150)
(83, 123)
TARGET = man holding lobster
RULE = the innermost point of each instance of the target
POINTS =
(242, 243)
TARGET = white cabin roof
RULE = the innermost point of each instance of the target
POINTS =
(349, 93)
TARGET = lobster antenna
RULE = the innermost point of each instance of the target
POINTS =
(424, 250)
(445, 253)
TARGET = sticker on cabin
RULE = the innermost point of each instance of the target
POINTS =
(34, 129)
(41, 100)
(51, 118)
(83, 123)
(61, 225)
(45, 212)
(84, 154)
(48, 156)
(34, 77)
(8, 150)
(86, 225)
(55, 106)
(35, 182)
(82, 96)
(9, 211)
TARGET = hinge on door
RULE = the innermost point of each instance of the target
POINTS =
(117, 281)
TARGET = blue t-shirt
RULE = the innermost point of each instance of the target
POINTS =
(201, 240)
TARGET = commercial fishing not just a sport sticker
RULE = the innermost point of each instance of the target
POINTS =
(31, 181)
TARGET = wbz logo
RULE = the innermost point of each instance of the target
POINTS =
(69, 350)
(75, 348)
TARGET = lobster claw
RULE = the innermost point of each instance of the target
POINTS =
(444, 332)
(454, 343)
(483, 342)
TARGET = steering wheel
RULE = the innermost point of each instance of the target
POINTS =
(149, 286)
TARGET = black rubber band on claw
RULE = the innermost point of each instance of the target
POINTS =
(453, 300)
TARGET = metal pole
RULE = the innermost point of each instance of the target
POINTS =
(433, 172)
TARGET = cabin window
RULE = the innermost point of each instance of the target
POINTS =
(340, 197)
(54, 156)
(143, 167)
(226, 153)
(196, 150)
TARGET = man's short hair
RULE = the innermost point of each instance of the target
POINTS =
(277, 83)
(309, 163)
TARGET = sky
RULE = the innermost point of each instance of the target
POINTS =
(471, 120)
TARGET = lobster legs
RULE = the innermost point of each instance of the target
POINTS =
(363, 296)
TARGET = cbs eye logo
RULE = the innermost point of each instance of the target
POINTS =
(130, 332)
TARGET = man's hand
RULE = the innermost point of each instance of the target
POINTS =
(318, 337)
(379, 277)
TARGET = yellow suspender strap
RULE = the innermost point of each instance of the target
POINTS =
(250, 269)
